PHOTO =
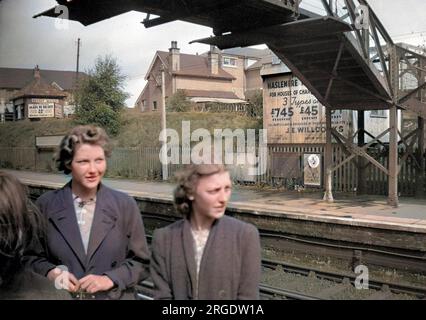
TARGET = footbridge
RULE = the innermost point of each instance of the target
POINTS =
(339, 49)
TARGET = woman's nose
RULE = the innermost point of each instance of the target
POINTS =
(92, 166)
(223, 197)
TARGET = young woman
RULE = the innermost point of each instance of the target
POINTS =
(206, 255)
(95, 244)
(21, 225)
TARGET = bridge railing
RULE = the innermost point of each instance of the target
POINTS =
(369, 37)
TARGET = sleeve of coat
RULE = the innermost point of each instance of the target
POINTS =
(35, 257)
(251, 265)
(158, 267)
(135, 267)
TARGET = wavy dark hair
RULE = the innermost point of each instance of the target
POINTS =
(187, 180)
(84, 135)
(21, 225)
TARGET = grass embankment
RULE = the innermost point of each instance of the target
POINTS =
(139, 129)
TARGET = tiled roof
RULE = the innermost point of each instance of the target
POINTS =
(38, 87)
(247, 52)
(17, 78)
(196, 66)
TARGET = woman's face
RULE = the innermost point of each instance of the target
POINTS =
(211, 195)
(88, 166)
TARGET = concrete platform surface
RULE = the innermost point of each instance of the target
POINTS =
(349, 209)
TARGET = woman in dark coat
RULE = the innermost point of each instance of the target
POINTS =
(206, 255)
(95, 244)
(21, 225)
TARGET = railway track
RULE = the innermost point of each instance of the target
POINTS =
(345, 279)
(338, 282)
(145, 292)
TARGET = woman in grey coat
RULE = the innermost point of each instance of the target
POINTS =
(206, 255)
(95, 245)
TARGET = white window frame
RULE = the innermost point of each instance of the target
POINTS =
(229, 65)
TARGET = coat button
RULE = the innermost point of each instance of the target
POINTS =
(113, 264)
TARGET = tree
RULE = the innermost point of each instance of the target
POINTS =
(100, 97)
(178, 102)
(255, 106)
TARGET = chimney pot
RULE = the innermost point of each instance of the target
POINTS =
(37, 72)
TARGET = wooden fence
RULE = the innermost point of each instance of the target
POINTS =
(144, 163)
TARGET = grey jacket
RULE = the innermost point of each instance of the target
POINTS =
(230, 267)
(117, 246)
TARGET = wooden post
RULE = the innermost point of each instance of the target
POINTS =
(420, 177)
(328, 158)
(361, 161)
(393, 157)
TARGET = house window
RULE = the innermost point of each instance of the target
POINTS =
(378, 114)
(229, 62)
(154, 105)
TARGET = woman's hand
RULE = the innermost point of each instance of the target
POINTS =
(63, 279)
(93, 283)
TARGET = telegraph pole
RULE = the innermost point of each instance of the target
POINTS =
(163, 126)
(78, 57)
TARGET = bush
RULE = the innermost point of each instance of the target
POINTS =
(178, 102)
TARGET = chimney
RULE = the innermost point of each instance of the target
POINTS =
(213, 60)
(36, 72)
(174, 57)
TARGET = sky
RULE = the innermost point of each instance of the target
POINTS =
(26, 42)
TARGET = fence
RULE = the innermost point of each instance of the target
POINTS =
(144, 163)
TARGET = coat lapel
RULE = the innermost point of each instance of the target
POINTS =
(103, 221)
(189, 253)
(65, 221)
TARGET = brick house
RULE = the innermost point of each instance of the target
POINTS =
(23, 90)
(216, 76)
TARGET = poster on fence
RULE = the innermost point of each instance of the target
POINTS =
(292, 114)
(312, 169)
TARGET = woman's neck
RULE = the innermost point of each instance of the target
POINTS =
(83, 193)
(200, 222)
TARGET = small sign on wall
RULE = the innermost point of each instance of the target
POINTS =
(312, 169)
(46, 110)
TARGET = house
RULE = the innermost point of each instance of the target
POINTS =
(216, 76)
(25, 93)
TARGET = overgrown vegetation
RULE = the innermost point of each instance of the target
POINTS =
(137, 129)
(255, 106)
(178, 102)
(100, 97)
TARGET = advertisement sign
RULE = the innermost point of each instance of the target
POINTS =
(45, 110)
(292, 115)
(312, 169)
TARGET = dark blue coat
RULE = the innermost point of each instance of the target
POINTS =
(117, 246)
